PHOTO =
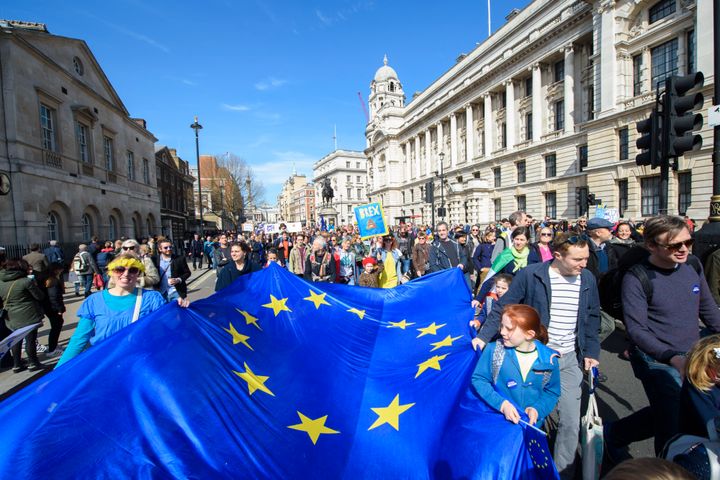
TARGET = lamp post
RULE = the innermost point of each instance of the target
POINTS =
(441, 211)
(196, 126)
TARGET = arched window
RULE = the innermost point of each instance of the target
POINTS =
(112, 229)
(53, 224)
(136, 228)
(86, 225)
(392, 86)
(149, 227)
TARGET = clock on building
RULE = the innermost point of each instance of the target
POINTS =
(4, 184)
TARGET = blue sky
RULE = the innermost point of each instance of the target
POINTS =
(269, 80)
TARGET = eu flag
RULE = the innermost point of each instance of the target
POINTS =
(275, 377)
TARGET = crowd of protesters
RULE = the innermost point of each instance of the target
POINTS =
(546, 294)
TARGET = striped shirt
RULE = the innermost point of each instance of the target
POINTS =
(565, 297)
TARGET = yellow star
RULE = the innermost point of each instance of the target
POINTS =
(359, 313)
(401, 324)
(391, 413)
(317, 299)
(277, 305)
(433, 362)
(249, 319)
(254, 382)
(314, 428)
(446, 342)
(238, 337)
(430, 329)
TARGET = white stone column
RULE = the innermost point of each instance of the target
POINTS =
(608, 60)
(682, 53)
(469, 133)
(417, 157)
(537, 103)
(489, 130)
(453, 140)
(440, 145)
(428, 154)
(569, 89)
(704, 40)
(510, 121)
(407, 161)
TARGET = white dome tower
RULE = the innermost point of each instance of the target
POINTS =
(385, 90)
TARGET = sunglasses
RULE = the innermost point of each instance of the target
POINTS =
(546, 234)
(128, 248)
(674, 247)
(573, 240)
(165, 248)
(131, 270)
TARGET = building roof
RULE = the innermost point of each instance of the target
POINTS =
(385, 72)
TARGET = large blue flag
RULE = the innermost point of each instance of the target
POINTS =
(275, 377)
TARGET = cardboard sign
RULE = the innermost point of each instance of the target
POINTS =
(371, 220)
(294, 227)
(272, 228)
(247, 227)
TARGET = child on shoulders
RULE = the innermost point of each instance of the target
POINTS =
(519, 373)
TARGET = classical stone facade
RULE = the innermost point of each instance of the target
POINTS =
(544, 112)
(175, 186)
(296, 201)
(346, 171)
(78, 164)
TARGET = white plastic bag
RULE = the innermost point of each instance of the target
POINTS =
(591, 437)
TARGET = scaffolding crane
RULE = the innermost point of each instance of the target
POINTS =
(364, 107)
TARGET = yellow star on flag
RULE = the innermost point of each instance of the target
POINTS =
(238, 337)
(359, 313)
(433, 362)
(401, 324)
(317, 299)
(249, 319)
(390, 414)
(314, 428)
(277, 305)
(446, 342)
(430, 329)
(254, 382)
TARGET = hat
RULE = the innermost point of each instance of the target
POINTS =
(460, 233)
(369, 260)
(594, 223)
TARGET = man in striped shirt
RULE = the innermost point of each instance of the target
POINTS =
(566, 297)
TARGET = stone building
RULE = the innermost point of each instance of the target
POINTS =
(221, 197)
(296, 200)
(78, 164)
(542, 113)
(175, 186)
(346, 170)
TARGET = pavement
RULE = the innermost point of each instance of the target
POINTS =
(621, 395)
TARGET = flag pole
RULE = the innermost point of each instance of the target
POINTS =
(489, 25)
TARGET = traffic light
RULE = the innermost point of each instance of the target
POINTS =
(429, 193)
(591, 199)
(678, 116)
(649, 141)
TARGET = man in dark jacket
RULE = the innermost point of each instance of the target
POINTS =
(173, 270)
(446, 253)
(196, 251)
(565, 295)
(601, 260)
(54, 254)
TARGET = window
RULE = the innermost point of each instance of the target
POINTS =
(661, 10)
(347, 178)
(503, 135)
(412, 195)
(550, 205)
(623, 143)
(528, 87)
(359, 193)
(47, 123)
(349, 193)
(347, 164)
(503, 99)
(691, 51)
(112, 228)
(637, 74)
(622, 196)
(109, 154)
(649, 196)
(521, 173)
(583, 156)
(559, 114)
(684, 192)
(146, 172)
(86, 225)
(130, 166)
(528, 127)
(53, 226)
(357, 179)
(559, 71)
(357, 164)
(664, 61)
(498, 210)
(82, 139)
(550, 170)
(522, 203)
(78, 66)
(496, 176)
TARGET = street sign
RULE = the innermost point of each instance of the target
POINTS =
(714, 116)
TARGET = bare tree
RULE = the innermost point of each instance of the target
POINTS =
(247, 191)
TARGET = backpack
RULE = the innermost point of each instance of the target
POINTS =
(632, 261)
(54, 256)
(80, 264)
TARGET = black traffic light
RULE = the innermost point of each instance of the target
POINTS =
(591, 199)
(429, 193)
(678, 116)
(649, 141)
(579, 193)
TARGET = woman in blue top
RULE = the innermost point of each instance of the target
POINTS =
(519, 373)
(108, 311)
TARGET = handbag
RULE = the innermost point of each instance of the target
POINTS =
(98, 281)
(591, 436)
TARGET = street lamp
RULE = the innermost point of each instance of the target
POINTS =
(196, 126)
(441, 210)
